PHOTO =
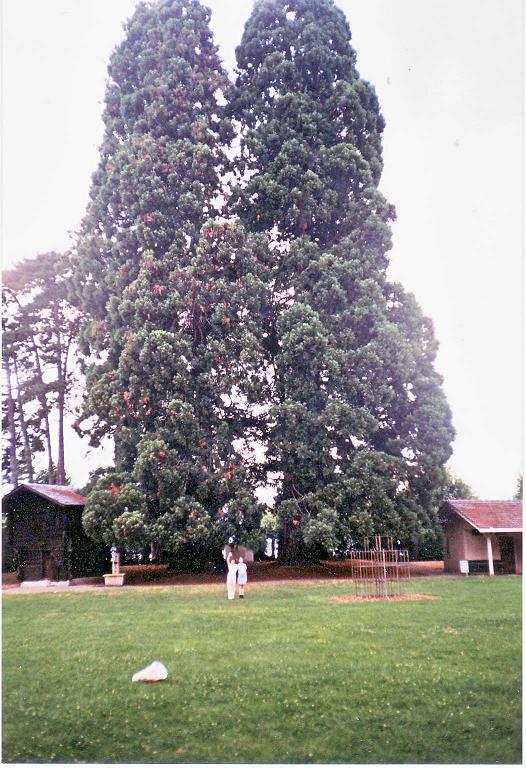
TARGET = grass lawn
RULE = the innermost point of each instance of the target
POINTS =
(287, 675)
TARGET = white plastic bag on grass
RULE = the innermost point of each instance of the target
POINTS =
(153, 673)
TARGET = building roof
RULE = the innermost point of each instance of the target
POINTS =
(62, 495)
(489, 516)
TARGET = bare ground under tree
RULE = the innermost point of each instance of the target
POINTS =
(265, 571)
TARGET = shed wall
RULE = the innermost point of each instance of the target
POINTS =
(49, 540)
(454, 544)
(517, 541)
(476, 547)
(463, 542)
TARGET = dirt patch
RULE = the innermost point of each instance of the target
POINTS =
(9, 581)
(372, 599)
(262, 571)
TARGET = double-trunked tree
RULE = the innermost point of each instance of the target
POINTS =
(241, 328)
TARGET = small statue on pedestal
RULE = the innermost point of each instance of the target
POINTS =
(115, 578)
(115, 560)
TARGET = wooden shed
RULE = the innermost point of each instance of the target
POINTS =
(45, 535)
(487, 535)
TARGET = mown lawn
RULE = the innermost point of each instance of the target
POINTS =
(287, 675)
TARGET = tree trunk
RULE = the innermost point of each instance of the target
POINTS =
(47, 430)
(61, 473)
(61, 470)
(23, 427)
(13, 466)
(45, 410)
(289, 549)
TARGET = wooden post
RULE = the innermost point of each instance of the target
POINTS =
(384, 575)
(490, 554)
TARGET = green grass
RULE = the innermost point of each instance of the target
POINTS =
(286, 675)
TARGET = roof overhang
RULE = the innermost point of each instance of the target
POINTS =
(497, 530)
(69, 499)
(454, 510)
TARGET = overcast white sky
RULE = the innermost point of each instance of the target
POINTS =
(449, 77)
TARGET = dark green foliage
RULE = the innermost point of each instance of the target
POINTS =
(220, 319)
(115, 511)
(311, 126)
(175, 294)
(429, 545)
(359, 426)
(161, 153)
(42, 476)
(457, 488)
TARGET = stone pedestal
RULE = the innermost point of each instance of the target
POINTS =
(114, 579)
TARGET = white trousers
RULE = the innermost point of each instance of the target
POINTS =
(231, 587)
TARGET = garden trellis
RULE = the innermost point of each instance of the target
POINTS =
(380, 569)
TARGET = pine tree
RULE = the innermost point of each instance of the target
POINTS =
(40, 328)
(170, 287)
(359, 429)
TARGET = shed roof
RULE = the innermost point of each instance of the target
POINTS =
(489, 515)
(62, 495)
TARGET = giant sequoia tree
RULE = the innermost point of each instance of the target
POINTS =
(174, 292)
(359, 426)
(220, 320)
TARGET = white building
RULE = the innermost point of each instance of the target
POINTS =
(485, 534)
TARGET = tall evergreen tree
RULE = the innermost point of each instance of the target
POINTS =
(359, 428)
(171, 289)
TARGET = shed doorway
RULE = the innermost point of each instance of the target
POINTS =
(30, 563)
(50, 567)
(507, 554)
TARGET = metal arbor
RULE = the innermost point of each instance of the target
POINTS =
(379, 569)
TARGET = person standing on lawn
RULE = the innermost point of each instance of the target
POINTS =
(231, 576)
(241, 576)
